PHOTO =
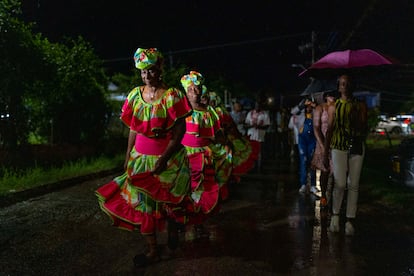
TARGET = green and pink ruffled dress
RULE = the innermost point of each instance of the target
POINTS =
(137, 198)
(210, 165)
(244, 151)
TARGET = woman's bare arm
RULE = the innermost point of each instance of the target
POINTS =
(131, 143)
(174, 145)
(317, 114)
(329, 132)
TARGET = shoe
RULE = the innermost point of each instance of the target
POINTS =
(302, 189)
(314, 190)
(190, 234)
(349, 229)
(142, 260)
(201, 232)
(334, 226)
(323, 202)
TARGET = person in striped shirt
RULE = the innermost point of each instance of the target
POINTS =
(347, 130)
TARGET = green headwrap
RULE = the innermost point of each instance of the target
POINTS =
(214, 97)
(204, 90)
(146, 58)
(192, 78)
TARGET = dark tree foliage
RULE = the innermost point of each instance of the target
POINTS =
(53, 91)
(16, 70)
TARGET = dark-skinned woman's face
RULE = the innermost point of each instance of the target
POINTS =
(194, 93)
(344, 85)
(151, 75)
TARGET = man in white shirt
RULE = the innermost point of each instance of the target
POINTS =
(257, 121)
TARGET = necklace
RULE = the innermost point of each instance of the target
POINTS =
(153, 94)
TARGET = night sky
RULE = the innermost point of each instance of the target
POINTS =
(254, 43)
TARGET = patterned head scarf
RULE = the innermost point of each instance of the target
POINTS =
(192, 78)
(204, 90)
(146, 58)
(214, 98)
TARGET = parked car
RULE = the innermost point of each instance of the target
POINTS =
(405, 120)
(388, 125)
(402, 163)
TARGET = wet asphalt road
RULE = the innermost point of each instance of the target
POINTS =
(265, 228)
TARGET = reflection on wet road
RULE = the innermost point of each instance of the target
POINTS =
(265, 228)
(268, 227)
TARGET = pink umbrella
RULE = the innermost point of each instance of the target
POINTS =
(339, 61)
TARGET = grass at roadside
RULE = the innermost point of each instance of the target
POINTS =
(15, 181)
(375, 177)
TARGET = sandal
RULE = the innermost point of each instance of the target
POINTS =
(323, 202)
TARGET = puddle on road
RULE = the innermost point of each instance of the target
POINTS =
(271, 226)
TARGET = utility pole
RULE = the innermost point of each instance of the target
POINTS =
(310, 45)
(313, 39)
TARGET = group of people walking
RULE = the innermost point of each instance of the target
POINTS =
(331, 138)
(185, 149)
(309, 122)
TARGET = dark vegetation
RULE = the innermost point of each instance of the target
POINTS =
(54, 99)
(49, 92)
(377, 179)
(43, 155)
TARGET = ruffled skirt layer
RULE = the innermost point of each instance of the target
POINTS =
(245, 154)
(139, 199)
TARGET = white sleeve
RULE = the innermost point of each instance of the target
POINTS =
(291, 125)
(295, 110)
(248, 118)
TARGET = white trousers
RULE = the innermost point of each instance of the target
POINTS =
(346, 169)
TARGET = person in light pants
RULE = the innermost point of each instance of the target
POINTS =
(352, 163)
(345, 139)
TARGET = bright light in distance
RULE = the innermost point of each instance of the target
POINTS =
(270, 100)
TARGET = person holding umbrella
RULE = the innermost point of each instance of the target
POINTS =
(302, 123)
(345, 139)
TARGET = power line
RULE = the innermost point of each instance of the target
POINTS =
(364, 15)
(215, 46)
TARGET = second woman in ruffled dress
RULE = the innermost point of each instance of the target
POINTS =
(202, 140)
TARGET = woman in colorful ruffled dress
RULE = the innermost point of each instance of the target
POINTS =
(203, 142)
(244, 151)
(156, 174)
